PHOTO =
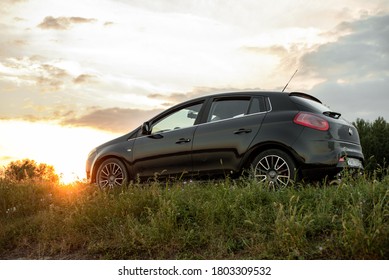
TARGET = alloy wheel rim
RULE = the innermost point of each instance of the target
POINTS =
(273, 170)
(111, 175)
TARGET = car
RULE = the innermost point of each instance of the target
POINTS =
(276, 137)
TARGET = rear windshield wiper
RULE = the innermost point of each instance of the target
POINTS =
(333, 115)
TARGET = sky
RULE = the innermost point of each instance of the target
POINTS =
(76, 73)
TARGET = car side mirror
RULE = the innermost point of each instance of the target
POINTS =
(192, 115)
(146, 128)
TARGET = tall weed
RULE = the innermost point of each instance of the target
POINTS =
(228, 219)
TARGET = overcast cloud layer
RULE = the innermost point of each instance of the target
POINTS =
(355, 69)
(115, 64)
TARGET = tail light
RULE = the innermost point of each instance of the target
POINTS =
(311, 121)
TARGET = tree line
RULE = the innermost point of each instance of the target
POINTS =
(374, 138)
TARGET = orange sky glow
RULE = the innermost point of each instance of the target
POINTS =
(65, 148)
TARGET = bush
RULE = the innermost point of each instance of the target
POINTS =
(28, 169)
(375, 145)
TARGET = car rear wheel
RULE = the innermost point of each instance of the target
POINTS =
(274, 168)
(111, 173)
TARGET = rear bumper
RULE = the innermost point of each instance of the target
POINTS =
(350, 162)
(320, 155)
(320, 172)
(318, 148)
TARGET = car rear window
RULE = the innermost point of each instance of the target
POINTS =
(305, 104)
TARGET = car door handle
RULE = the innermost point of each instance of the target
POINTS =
(183, 140)
(242, 130)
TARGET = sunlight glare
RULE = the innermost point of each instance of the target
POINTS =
(66, 148)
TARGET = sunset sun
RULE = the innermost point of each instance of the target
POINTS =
(64, 148)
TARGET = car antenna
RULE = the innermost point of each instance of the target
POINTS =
(289, 80)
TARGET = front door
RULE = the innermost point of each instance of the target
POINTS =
(167, 150)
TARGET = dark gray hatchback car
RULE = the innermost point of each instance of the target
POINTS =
(276, 136)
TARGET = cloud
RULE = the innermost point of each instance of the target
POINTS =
(10, 2)
(173, 98)
(112, 119)
(367, 99)
(117, 120)
(354, 69)
(361, 54)
(349, 71)
(63, 23)
(288, 56)
(168, 100)
(277, 50)
(83, 78)
(28, 69)
(31, 112)
(49, 75)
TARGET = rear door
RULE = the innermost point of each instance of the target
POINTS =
(232, 123)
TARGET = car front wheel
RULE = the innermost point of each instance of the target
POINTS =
(111, 173)
(274, 168)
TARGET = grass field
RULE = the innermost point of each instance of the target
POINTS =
(195, 220)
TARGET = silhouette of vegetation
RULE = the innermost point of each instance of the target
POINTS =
(27, 169)
(375, 145)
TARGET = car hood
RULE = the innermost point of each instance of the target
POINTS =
(114, 141)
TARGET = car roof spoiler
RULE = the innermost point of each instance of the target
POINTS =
(304, 95)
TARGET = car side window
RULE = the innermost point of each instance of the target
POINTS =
(182, 118)
(228, 108)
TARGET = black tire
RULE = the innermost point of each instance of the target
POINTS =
(274, 168)
(112, 173)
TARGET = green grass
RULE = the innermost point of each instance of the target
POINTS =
(198, 220)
